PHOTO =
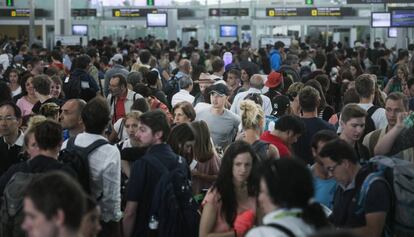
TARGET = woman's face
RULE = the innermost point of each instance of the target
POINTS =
(244, 75)
(188, 149)
(265, 199)
(91, 226)
(180, 117)
(242, 165)
(55, 90)
(13, 77)
(29, 86)
(131, 126)
(32, 148)
(353, 70)
(400, 74)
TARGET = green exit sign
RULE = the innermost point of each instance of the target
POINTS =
(150, 2)
(10, 3)
(309, 2)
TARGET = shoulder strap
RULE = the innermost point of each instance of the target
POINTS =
(71, 143)
(85, 151)
(282, 228)
(372, 110)
(121, 129)
(362, 195)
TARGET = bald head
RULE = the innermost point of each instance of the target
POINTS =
(185, 66)
(256, 81)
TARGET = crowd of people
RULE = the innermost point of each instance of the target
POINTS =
(104, 140)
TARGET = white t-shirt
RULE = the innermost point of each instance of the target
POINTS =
(122, 135)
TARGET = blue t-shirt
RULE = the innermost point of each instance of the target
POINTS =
(324, 190)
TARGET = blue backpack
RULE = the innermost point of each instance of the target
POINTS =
(173, 211)
(399, 176)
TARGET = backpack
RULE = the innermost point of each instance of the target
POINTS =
(11, 211)
(261, 148)
(72, 87)
(399, 176)
(172, 87)
(173, 211)
(369, 123)
(76, 158)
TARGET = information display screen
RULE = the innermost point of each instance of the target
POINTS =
(80, 30)
(380, 19)
(157, 20)
(228, 30)
(402, 17)
(392, 33)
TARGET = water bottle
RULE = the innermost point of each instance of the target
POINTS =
(153, 223)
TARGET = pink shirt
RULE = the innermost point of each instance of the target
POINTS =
(210, 167)
(221, 225)
(25, 106)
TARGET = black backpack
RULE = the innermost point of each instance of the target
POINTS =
(11, 214)
(76, 158)
(172, 87)
(173, 211)
(72, 87)
(369, 123)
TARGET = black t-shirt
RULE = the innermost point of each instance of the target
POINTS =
(344, 212)
(302, 148)
(141, 184)
(9, 156)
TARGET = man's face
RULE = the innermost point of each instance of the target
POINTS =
(353, 128)
(392, 109)
(114, 86)
(338, 171)
(218, 101)
(9, 124)
(69, 118)
(36, 224)
(144, 136)
(232, 80)
(316, 150)
(203, 86)
(38, 67)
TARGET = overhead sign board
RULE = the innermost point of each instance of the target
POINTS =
(309, 11)
(83, 12)
(228, 12)
(132, 12)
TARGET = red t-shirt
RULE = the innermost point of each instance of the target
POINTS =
(119, 108)
(280, 145)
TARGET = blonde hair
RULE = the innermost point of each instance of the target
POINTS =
(133, 114)
(34, 121)
(252, 114)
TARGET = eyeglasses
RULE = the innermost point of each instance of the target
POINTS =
(332, 168)
(8, 118)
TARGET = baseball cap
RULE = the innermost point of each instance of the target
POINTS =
(274, 79)
(280, 104)
(220, 89)
(116, 58)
